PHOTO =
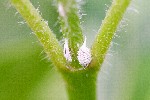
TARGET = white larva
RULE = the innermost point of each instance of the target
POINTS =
(66, 51)
(84, 55)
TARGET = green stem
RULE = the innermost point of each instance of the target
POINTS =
(70, 26)
(81, 85)
(107, 31)
(42, 31)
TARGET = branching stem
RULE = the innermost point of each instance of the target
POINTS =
(80, 84)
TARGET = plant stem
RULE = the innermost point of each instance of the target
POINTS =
(107, 31)
(42, 31)
(70, 26)
(82, 85)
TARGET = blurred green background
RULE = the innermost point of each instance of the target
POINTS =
(27, 74)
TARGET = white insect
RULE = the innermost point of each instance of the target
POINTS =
(84, 55)
(66, 51)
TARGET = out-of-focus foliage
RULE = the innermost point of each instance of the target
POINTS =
(25, 73)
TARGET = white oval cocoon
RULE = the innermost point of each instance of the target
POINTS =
(84, 55)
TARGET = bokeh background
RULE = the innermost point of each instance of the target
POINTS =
(27, 74)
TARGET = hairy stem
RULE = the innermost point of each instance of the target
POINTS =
(42, 31)
(107, 31)
(70, 26)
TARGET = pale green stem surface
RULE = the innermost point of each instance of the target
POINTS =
(81, 85)
(42, 31)
(107, 31)
(70, 26)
